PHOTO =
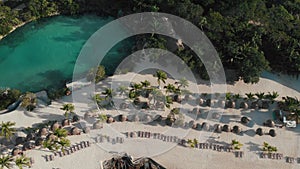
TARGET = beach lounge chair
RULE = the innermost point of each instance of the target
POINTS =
(154, 135)
(121, 140)
(241, 153)
(201, 145)
(46, 158)
(51, 157)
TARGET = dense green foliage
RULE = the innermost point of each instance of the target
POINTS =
(250, 36)
(8, 97)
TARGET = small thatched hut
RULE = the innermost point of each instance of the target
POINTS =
(259, 132)
(236, 129)
(217, 128)
(226, 128)
(43, 131)
(75, 118)
(51, 136)
(30, 136)
(55, 126)
(38, 141)
(200, 101)
(75, 131)
(122, 117)
(205, 126)
(245, 120)
(110, 120)
(269, 123)
(230, 104)
(65, 122)
(272, 133)
(16, 152)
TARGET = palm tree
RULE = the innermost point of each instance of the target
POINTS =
(146, 83)
(182, 83)
(22, 161)
(64, 143)
(50, 144)
(29, 101)
(7, 129)
(269, 148)
(272, 96)
(260, 95)
(161, 76)
(236, 144)
(61, 133)
(68, 109)
(250, 96)
(5, 161)
(170, 88)
(108, 93)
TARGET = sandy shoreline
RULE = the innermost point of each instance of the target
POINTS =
(167, 154)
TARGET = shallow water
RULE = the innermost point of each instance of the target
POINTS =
(42, 54)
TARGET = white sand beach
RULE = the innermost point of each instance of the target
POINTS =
(170, 155)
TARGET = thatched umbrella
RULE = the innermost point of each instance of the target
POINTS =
(244, 105)
(51, 136)
(236, 129)
(177, 98)
(217, 128)
(55, 126)
(230, 104)
(200, 101)
(20, 140)
(205, 126)
(245, 120)
(147, 119)
(30, 136)
(28, 146)
(75, 118)
(75, 131)
(87, 130)
(16, 152)
(269, 123)
(226, 128)
(272, 133)
(43, 131)
(38, 141)
(110, 120)
(122, 117)
(65, 122)
(198, 126)
(98, 125)
(259, 132)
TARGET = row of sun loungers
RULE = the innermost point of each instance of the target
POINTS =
(102, 138)
(277, 156)
(68, 151)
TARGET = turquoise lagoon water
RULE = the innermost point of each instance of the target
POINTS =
(42, 54)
